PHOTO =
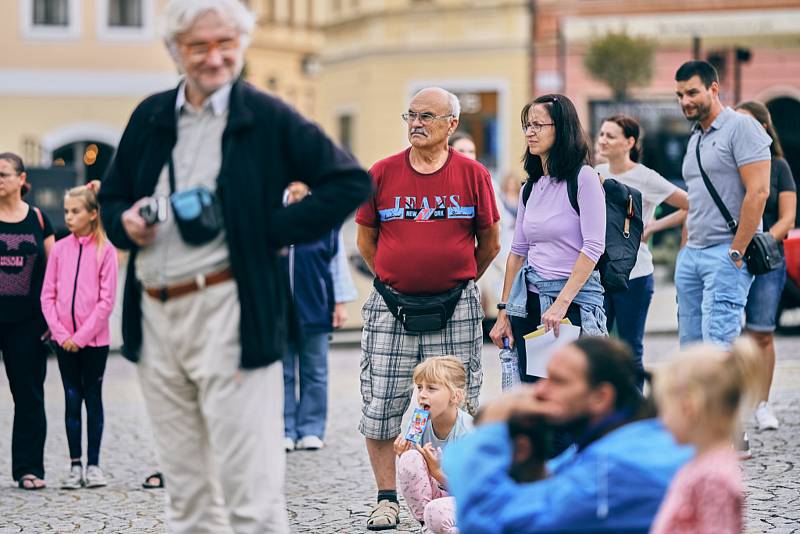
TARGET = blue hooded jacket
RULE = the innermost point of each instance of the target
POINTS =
(312, 283)
(615, 484)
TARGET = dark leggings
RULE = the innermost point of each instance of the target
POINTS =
(521, 327)
(82, 376)
(26, 366)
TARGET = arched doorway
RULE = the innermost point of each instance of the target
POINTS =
(89, 158)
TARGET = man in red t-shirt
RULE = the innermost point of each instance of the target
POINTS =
(431, 227)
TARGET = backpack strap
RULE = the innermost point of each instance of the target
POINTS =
(526, 191)
(39, 216)
(572, 192)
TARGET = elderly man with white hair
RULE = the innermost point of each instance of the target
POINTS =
(429, 231)
(195, 193)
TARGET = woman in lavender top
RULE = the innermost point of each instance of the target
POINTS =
(550, 237)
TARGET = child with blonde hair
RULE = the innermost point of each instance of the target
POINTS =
(700, 396)
(78, 293)
(440, 383)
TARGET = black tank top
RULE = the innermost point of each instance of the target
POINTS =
(22, 265)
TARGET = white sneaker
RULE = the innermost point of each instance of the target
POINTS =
(95, 478)
(288, 444)
(74, 480)
(765, 418)
(742, 446)
(309, 443)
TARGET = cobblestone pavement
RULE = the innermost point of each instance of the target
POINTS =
(329, 491)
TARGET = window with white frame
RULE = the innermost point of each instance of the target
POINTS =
(125, 14)
(50, 19)
(51, 12)
(125, 20)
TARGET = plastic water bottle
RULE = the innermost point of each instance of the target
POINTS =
(509, 365)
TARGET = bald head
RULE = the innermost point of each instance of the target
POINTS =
(445, 102)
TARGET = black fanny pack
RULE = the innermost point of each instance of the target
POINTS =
(197, 212)
(421, 313)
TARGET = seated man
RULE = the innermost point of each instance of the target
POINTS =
(611, 480)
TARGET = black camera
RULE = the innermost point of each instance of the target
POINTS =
(154, 211)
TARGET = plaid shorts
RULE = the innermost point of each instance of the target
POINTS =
(389, 355)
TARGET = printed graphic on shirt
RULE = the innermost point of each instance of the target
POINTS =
(423, 209)
(17, 260)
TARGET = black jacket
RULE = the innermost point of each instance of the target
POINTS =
(266, 145)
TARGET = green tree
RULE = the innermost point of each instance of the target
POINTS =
(621, 62)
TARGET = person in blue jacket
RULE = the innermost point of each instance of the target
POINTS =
(321, 285)
(611, 480)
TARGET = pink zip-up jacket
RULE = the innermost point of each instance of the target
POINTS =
(79, 291)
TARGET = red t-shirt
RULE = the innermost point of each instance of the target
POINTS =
(428, 222)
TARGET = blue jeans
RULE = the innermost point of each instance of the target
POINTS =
(762, 301)
(307, 415)
(628, 309)
(712, 293)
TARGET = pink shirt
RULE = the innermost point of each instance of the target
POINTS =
(705, 497)
(79, 291)
(549, 232)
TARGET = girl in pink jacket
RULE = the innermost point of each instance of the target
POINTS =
(80, 285)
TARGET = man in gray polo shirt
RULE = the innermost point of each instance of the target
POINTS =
(711, 277)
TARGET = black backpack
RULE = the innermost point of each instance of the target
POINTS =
(623, 229)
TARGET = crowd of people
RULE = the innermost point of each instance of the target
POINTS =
(229, 204)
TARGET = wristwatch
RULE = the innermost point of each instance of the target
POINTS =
(734, 255)
(501, 305)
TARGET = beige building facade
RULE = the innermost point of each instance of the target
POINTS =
(72, 71)
(378, 53)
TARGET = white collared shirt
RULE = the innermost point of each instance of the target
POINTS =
(197, 157)
(219, 99)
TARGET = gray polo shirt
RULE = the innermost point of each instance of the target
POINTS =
(733, 140)
(197, 157)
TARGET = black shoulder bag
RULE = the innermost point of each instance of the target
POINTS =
(763, 254)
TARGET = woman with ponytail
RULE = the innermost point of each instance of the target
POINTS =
(700, 397)
(619, 145)
(78, 294)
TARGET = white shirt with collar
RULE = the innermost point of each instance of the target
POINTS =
(197, 158)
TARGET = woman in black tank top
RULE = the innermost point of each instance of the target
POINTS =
(25, 238)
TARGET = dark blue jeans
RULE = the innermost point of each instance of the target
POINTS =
(82, 376)
(628, 310)
(306, 362)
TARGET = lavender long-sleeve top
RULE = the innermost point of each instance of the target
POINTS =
(551, 234)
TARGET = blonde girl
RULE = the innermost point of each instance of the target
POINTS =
(700, 397)
(78, 295)
(440, 384)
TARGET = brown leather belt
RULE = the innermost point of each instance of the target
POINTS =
(179, 290)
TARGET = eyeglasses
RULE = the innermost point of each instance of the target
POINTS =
(424, 118)
(5, 175)
(535, 126)
(199, 51)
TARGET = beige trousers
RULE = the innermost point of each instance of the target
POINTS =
(218, 430)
